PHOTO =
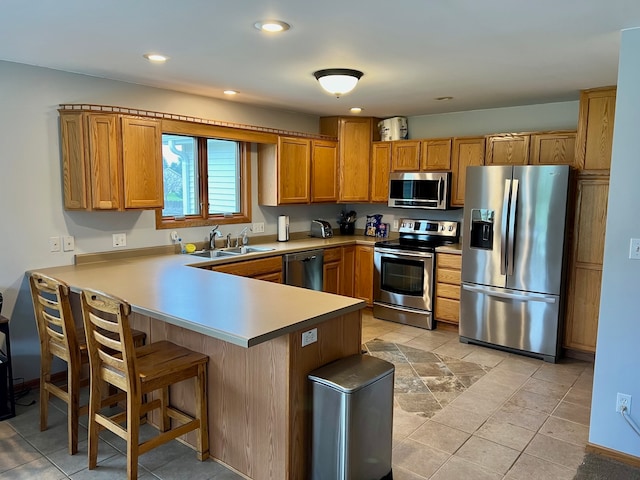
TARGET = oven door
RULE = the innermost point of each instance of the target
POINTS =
(403, 278)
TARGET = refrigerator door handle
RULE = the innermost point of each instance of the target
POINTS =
(503, 227)
(528, 297)
(513, 207)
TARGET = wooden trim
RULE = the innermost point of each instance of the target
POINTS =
(613, 454)
(578, 355)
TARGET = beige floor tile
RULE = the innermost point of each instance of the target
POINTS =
(530, 468)
(487, 357)
(418, 458)
(490, 455)
(522, 417)
(565, 430)
(579, 396)
(551, 374)
(463, 420)
(400, 473)
(396, 337)
(460, 469)
(413, 332)
(584, 381)
(556, 451)
(476, 403)
(534, 401)
(405, 423)
(519, 364)
(455, 349)
(15, 450)
(486, 386)
(427, 343)
(505, 433)
(507, 377)
(41, 468)
(440, 436)
(536, 385)
(573, 412)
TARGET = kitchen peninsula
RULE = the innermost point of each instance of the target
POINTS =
(258, 393)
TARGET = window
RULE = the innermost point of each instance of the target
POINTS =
(205, 181)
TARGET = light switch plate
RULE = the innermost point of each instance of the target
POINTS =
(258, 227)
(309, 337)
(68, 243)
(634, 249)
(119, 240)
(54, 244)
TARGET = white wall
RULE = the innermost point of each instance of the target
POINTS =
(617, 352)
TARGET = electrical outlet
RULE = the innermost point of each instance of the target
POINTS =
(68, 243)
(623, 400)
(258, 227)
(634, 249)
(119, 240)
(309, 337)
(174, 236)
(395, 225)
(54, 244)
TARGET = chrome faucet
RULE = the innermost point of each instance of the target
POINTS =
(245, 237)
(229, 240)
(212, 237)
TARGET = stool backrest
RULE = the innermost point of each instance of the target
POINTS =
(109, 340)
(56, 328)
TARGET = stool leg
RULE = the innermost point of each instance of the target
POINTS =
(95, 397)
(45, 376)
(73, 391)
(164, 403)
(201, 413)
(133, 435)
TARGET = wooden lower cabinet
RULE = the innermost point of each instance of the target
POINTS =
(332, 270)
(348, 270)
(448, 279)
(363, 282)
(585, 266)
(269, 269)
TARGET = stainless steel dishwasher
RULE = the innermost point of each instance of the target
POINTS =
(304, 269)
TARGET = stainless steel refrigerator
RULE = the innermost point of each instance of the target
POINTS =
(513, 249)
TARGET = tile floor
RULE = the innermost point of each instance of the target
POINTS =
(461, 412)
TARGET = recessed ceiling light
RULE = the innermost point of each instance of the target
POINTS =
(356, 109)
(272, 26)
(230, 92)
(443, 99)
(156, 58)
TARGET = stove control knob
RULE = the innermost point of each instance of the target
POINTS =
(450, 228)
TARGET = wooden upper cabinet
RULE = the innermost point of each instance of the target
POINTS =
(142, 163)
(111, 161)
(436, 154)
(507, 150)
(355, 135)
(553, 148)
(324, 171)
(467, 151)
(595, 129)
(380, 164)
(405, 156)
(284, 172)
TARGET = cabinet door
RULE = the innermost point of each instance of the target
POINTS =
(331, 278)
(585, 270)
(74, 171)
(380, 163)
(436, 154)
(275, 277)
(354, 136)
(507, 150)
(294, 170)
(553, 148)
(595, 129)
(324, 171)
(364, 274)
(104, 161)
(405, 156)
(466, 152)
(142, 163)
(348, 270)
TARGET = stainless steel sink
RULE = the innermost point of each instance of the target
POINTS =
(230, 252)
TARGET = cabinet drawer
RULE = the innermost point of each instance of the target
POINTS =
(252, 268)
(447, 309)
(448, 260)
(444, 275)
(332, 255)
(448, 291)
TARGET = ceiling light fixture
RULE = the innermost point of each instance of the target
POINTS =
(272, 26)
(156, 58)
(355, 109)
(338, 81)
(230, 92)
(444, 99)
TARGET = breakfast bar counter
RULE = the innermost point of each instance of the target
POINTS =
(258, 392)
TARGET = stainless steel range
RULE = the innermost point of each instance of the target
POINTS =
(404, 271)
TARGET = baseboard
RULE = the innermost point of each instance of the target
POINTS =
(578, 355)
(34, 384)
(613, 454)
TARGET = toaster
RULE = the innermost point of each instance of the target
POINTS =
(321, 228)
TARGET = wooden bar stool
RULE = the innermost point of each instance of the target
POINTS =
(138, 372)
(60, 337)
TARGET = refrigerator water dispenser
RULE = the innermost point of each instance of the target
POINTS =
(482, 228)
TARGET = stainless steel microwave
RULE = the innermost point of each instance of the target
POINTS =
(420, 190)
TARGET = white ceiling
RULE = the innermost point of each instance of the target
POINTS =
(484, 53)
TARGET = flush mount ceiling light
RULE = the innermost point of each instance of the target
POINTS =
(230, 92)
(355, 109)
(155, 58)
(338, 81)
(272, 26)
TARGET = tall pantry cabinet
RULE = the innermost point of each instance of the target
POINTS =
(593, 157)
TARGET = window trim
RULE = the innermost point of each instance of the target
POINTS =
(204, 219)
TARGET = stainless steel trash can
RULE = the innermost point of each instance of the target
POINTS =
(352, 419)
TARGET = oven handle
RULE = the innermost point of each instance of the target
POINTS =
(403, 253)
(440, 191)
